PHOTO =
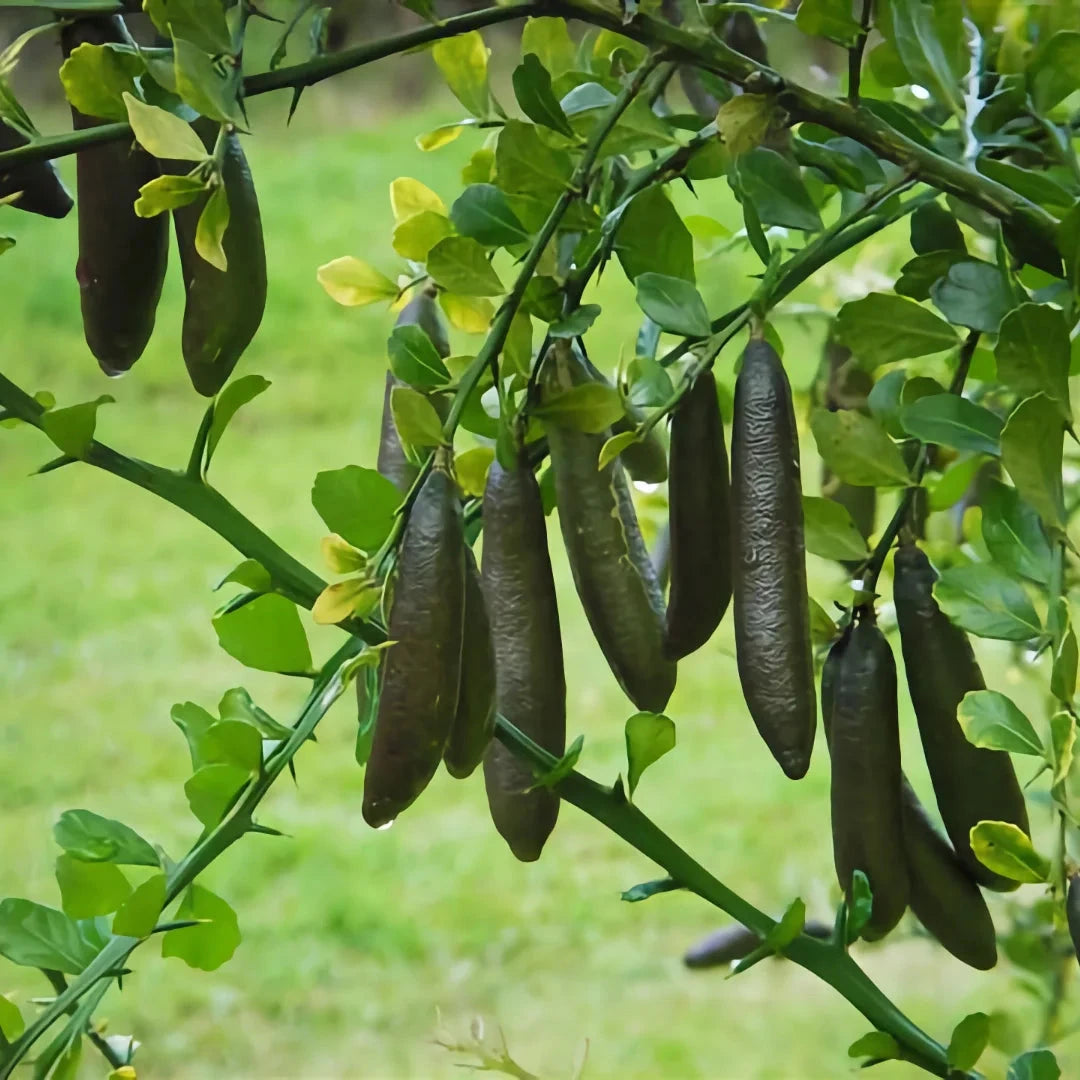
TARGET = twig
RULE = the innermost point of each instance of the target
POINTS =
(855, 53)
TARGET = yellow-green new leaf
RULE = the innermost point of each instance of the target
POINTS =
(12, 1024)
(96, 78)
(463, 60)
(1062, 741)
(139, 913)
(614, 447)
(415, 236)
(210, 231)
(473, 314)
(161, 133)
(1002, 847)
(409, 197)
(340, 556)
(343, 599)
(354, 283)
(471, 469)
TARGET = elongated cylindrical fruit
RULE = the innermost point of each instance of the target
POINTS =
(970, 784)
(122, 257)
(42, 190)
(1072, 912)
(858, 697)
(474, 721)
(610, 564)
(223, 308)
(422, 311)
(772, 612)
(944, 898)
(422, 671)
(661, 555)
(736, 941)
(530, 684)
(699, 497)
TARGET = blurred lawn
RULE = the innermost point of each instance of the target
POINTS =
(353, 938)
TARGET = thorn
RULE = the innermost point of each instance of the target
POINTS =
(266, 830)
(56, 463)
(177, 924)
(297, 91)
(292, 772)
(689, 185)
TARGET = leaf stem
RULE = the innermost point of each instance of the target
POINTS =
(855, 53)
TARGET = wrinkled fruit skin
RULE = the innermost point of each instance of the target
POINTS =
(530, 684)
(858, 701)
(699, 499)
(614, 576)
(971, 784)
(223, 308)
(422, 671)
(474, 722)
(772, 613)
(43, 192)
(944, 898)
(122, 257)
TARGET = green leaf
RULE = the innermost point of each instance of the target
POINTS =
(232, 742)
(830, 532)
(1036, 186)
(162, 134)
(881, 329)
(576, 323)
(614, 447)
(210, 230)
(236, 704)
(1013, 533)
(673, 304)
(744, 121)
(1034, 1065)
(830, 19)
(206, 87)
(928, 35)
(471, 469)
(33, 935)
(417, 235)
(210, 791)
(200, 21)
(1032, 353)
(860, 905)
(88, 889)
(591, 407)
(265, 634)
(532, 88)
(482, 213)
(1062, 740)
(1063, 675)
(974, 294)
(1054, 72)
(354, 283)
(463, 60)
(417, 422)
(88, 836)
(357, 503)
(885, 401)
(651, 237)
(823, 630)
(72, 429)
(1031, 449)
(951, 420)
(968, 1041)
(237, 394)
(563, 767)
(210, 945)
(650, 383)
(934, 229)
(140, 912)
(525, 164)
(990, 720)
(987, 602)
(877, 1045)
(649, 736)
(789, 927)
(12, 1024)
(1002, 847)
(442, 136)
(194, 721)
(775, 188)
(251, 574)
(857, 449)
(919, 275)
(168, 192)
(650, 888)
(460, 264)
(954, 483)
(414, 359)
(95, 78)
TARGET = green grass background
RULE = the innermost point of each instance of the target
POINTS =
(353, 938)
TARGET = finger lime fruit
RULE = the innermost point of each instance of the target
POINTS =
(772, 612)
(530, 684)
(611, 568)
(474, 722)
(734, 942)
(699, 497)
(122, 257)
(1072, 912)
(971, 784)
(942, 894)
(422, 670)
(223, 308)
(858, 700)
(423, 311)
(41, 189)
